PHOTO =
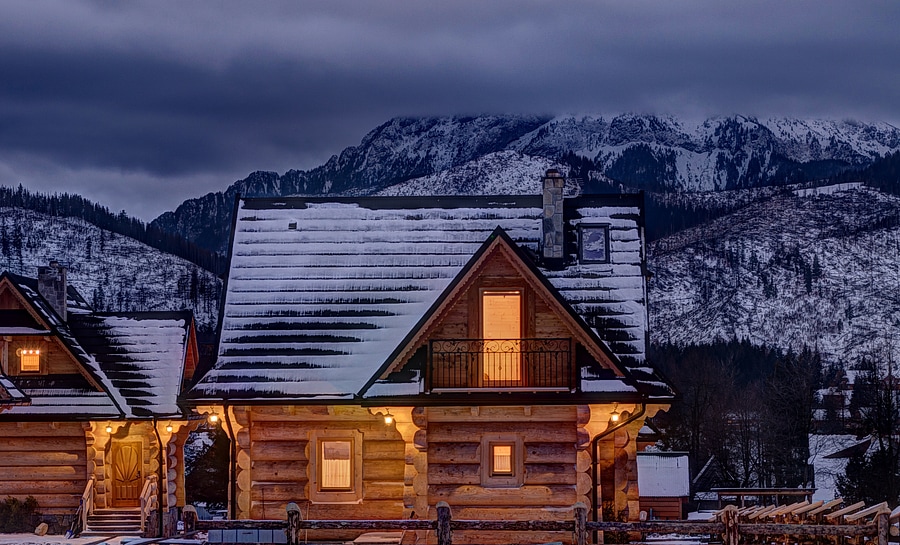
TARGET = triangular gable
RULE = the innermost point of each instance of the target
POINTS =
(498, 244)
(46, 317)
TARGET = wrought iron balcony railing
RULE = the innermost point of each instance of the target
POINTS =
(500, 364)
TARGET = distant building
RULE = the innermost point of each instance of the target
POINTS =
(664, 481)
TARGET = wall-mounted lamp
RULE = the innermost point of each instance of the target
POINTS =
(614, 415)
(108, 428)
(388, 418)
(169, 428)
(213, 418)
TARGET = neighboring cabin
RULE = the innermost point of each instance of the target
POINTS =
(380, 355)
(664, 480)
(88, 401)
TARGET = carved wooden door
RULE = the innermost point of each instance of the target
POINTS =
(126, 473)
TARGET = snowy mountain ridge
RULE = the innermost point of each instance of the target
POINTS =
(658, 153)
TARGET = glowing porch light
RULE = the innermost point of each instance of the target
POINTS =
(388, 418)
(614, 415)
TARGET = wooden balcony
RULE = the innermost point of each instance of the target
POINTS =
(500, 365)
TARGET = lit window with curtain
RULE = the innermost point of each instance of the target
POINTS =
(336, 465)
(29, 360)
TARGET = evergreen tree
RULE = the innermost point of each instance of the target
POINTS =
(206, 472)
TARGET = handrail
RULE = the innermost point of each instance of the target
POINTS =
(87, 503)
(148, 499)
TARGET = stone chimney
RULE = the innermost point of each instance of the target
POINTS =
(52, 285)
(552, 228)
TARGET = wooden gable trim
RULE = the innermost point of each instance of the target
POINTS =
(500, 242)
(191, 353)
(6, 283)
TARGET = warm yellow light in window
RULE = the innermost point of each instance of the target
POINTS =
(336, 466)
(29, 359)
(501, 318)
(501, 456)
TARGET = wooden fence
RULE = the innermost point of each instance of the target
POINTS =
(821, 523)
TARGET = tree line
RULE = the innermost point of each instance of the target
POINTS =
(75, 206)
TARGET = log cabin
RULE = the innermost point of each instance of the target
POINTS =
(88, 409)
(379, 355)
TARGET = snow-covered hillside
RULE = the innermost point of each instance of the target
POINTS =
(815, 268)
(112, 272)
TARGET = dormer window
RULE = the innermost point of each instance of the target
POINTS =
(593, 243)
(29, 360)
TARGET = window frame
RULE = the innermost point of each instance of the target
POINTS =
(604, 227)
(318, 494)
(484, 291)
(516, 478)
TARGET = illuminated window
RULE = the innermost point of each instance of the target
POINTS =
(29, 360)
(335, 466)
(502, 461)
(501, 329)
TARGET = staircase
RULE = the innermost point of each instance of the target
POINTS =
(118, 522)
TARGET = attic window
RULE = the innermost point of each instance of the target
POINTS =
(29, 360)
(292, 226)
(593, 243)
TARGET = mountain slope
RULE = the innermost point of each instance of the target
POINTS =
(809, 267)
(624, 152)
(112, 272)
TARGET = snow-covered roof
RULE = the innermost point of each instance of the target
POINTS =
(142, 354)
(136, 359)
(321, 291)
(663, 474)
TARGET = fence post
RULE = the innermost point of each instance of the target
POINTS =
(730, 518)
(883, 522)
(580, 523)
(442, 530)
(293, 529)
(189, 516)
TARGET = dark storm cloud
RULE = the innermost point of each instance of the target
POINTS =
(142, 105)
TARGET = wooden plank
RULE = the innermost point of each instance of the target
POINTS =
(895, 515)
(14, 488)
(381, 490)
(511, 414)
(48, 473)
(291, 431)
(550, 474)
(383, 470)
(874, 510)
(513, 513)
(267, 451)
(56, 444)
(54, 501)
(391, 449)
(463, 432)
(43, 458)
(550, 453)
(810, 507)
(827, 507)
(468, 495)
(458, 474)
(42, 429)
(280, 471)
(277, 492)
(846, 510)
(761, 512)
(454, 453)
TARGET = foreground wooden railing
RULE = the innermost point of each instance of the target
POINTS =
(729, 526)
(148, 500)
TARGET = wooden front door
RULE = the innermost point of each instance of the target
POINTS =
(126, 473)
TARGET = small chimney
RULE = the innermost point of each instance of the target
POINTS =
(553, 183)
(52, 286)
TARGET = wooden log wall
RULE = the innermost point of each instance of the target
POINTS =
(273, 458)
(618, 474)
(99, 445)
(556, 467)
(46, 460)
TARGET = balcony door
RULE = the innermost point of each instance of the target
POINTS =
(501, 331)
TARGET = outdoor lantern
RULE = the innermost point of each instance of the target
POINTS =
(388, 418)
(213, 418)
(108, 428)
(614, 415)
(169, 428)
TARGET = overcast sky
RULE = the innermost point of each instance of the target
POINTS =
(140, 105)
